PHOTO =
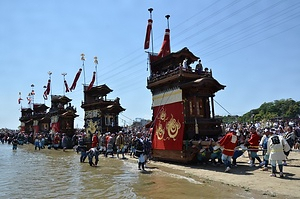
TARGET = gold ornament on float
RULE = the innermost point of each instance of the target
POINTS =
(92, 126)
(163, 115)
(160, 131)
(173, 127)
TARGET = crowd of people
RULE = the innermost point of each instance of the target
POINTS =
(274, 142)
(137, 145)
(13, 137)
(184, 66)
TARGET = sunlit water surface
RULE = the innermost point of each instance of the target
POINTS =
(49, 173)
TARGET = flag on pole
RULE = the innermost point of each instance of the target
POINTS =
(165, 48)
(47, 91)
(75, 80)
(19, 100)
(148, 32)
(66, 85)
(45, 96)
(92, 82)
(29, 99)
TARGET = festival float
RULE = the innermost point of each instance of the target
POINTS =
(182, 102)
(37, 120)
(101, 113)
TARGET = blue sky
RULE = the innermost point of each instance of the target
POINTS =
(252, 47)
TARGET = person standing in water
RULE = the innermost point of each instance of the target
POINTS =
(120, 142)
(82, 148)
(93, 152)
(15, 144)
(64, 142)
(140, 150)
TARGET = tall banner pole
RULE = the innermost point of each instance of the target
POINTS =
(64, 78)
(50, 73)
(32, 96)
(151, 33)
(96, 64)
(83, 68)
(20, 99)
(168, 25)
(44, 87)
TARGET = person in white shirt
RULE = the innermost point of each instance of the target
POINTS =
(277, 145)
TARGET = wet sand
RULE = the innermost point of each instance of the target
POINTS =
(243, 180)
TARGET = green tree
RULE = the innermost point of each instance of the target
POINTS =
(284, 108)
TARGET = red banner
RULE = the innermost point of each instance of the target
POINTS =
(148, 33)
(66, 86)
(92, 81)
(73, 86)
(35, 129)
(168, 126)
(19, 100)
(55, 127)
(47, 91)
(166, 46)
(22, 129)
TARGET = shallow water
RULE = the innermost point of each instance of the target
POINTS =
(29, 173)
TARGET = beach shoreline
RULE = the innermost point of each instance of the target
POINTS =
(243, 177)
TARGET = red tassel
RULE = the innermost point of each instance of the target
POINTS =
(75, 80)
(92, 82)
(165, 48)
(148, 32)
(66, 85)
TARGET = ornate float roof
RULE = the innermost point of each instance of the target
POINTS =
(178, 56)
(205, 82)
(100, 90)
(39, 107)
(60, 98)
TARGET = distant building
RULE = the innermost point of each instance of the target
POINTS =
(139, 123)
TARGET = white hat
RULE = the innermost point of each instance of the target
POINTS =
(216, 147)
(266, 130)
